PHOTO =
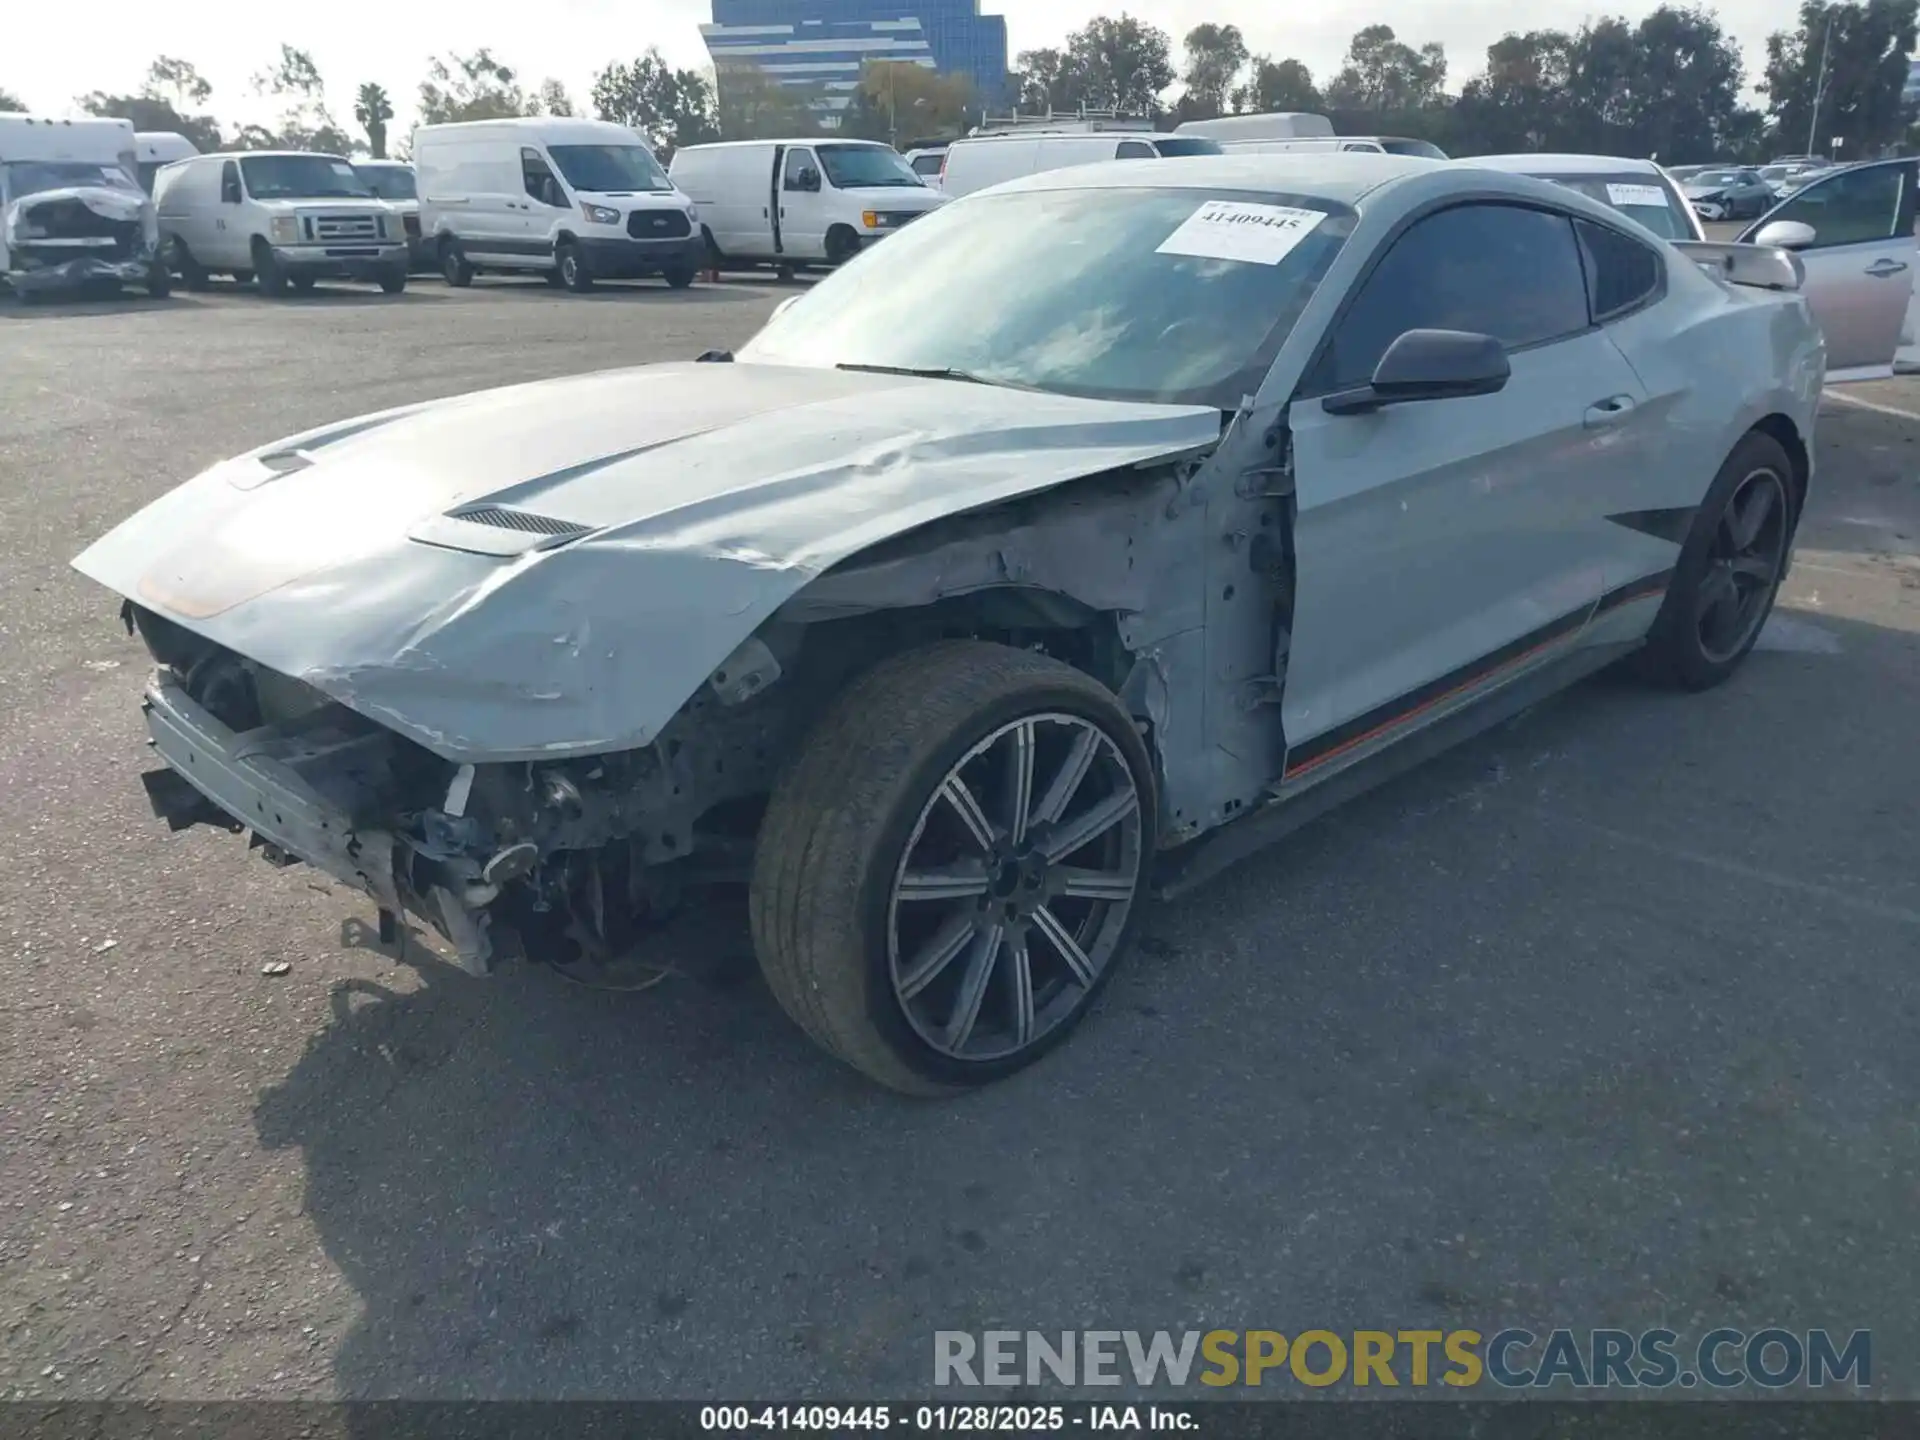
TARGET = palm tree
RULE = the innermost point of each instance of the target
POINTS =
(372, 109)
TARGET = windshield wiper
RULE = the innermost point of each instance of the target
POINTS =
(934, 372)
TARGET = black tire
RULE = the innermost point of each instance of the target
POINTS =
(571, 266)
(714, 255)
(181, 259)
(843, 820)
(303, 284)
(552, 277)
(268, 277)
(243, 277)
(159, 280)
(842, 245)
(783, 272)
(393, 280)
(454, 268)
(1695, 643)
(681, 277)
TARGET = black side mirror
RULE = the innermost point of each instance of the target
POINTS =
(1428, 365)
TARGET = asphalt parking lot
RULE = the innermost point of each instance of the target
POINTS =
(1605, 1019)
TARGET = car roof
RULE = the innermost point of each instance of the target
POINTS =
(1563, 164)
(790, 140)
(1340, 176)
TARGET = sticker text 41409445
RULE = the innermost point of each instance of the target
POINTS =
(1241, 230)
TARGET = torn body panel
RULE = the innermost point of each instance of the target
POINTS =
(79, 237)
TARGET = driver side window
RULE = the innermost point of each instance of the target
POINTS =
(799, 166)
(539, 180)
(230, 183)
(1502, 270)
(1854, 207)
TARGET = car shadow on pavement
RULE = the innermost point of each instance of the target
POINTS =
(1604, 1018)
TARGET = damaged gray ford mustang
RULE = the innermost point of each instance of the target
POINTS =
(959, 618)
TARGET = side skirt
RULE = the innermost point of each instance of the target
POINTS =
(1193, 865)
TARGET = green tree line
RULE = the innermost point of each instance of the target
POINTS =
(1670, 85)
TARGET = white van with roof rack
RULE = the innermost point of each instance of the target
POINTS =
(574, 200)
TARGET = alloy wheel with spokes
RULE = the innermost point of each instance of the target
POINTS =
(1743, 566)
(954, 863)
(1013, 890)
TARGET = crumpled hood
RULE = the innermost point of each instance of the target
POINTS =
(108, 204)
(624, 531)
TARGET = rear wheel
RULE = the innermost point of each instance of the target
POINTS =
(572, 268)
(454, 268)
(1729, 570)
(181, 259)
(954, 865)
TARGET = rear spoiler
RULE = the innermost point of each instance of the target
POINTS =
(1765, 267)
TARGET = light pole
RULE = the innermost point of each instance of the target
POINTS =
(1819, 86)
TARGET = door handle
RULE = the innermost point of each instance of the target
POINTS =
(1880, 269)
(1610, 411)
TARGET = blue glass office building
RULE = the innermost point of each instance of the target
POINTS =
(824, 43)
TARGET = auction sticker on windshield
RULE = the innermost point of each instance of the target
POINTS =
(1637, 195)
(1237, 230)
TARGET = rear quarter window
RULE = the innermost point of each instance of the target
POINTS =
(1623, 275)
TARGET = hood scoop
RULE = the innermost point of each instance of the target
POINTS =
(489, 529)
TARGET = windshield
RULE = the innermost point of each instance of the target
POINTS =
(389, 182)
(294, 177)
(1188, 145)
(1719, 177)
(609, 169)
(1181, 296)
(1641, 197)
(1420, 148)
(30, 177)
(848, 166)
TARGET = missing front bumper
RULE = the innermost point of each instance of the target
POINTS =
(255, 781)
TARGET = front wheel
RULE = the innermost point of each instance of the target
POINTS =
(572, 268)
(1729, 570)
(681, 277)
(393, 280)
(954, 865)
(268, 277)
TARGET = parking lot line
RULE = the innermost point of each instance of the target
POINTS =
(1873, 405)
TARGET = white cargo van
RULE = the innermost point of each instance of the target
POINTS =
(982, 160)
(791, 203)
(156, 148)
(281, 218)
(573, 200)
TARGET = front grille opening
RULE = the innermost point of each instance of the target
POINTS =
(524, 521)
(658, 225)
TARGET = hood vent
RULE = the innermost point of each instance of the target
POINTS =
(525, 521)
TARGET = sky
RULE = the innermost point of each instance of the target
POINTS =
(392, 43)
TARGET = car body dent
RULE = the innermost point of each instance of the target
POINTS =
(709, 495)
